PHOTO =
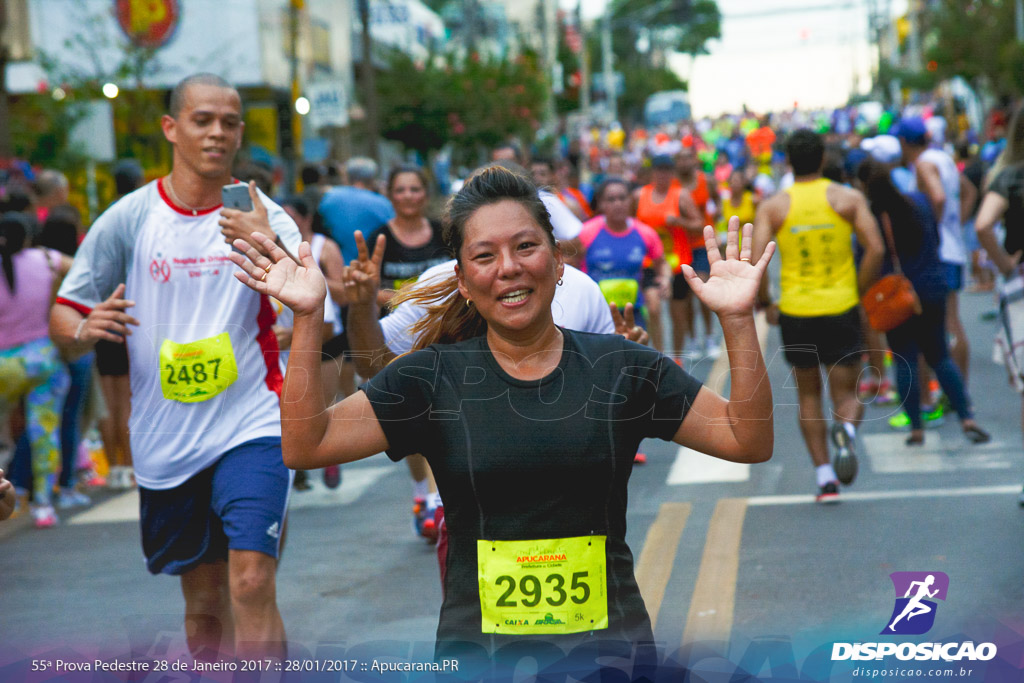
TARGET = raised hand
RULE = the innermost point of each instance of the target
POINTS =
(625, 324)
(732, 286)
(108, 320)
(301, 288)
(362, 277)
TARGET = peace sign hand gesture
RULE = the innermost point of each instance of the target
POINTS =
(301, 288)
(732, 287)
(362, 277)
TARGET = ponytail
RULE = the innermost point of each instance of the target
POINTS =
(13, 231)
(449, 317)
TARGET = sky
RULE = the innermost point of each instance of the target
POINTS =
(777, 53)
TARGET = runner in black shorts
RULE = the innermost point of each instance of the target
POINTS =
(825, 340)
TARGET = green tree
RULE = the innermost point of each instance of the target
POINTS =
(679, 25)
(473, 104)
(974, 40)
(411, 112)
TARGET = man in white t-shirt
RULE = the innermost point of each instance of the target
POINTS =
(205, 381)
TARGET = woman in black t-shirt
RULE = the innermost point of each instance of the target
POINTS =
(413, 241)
(530, 429)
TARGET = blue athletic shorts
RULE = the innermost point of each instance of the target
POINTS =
(238, 503)
(954, 274)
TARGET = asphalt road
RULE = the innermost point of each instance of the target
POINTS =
(743, 574)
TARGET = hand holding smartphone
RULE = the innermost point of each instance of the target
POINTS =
(236, 196)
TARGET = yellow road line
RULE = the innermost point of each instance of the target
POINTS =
(714, 597)
(654, 567)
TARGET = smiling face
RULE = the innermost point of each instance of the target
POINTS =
(408, 195)
(207, 132)
(508, 267)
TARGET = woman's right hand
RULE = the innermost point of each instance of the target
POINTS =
(301, 288)
(362, 277)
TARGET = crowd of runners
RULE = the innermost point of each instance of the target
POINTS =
(223, 353)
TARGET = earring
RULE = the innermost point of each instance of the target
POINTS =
(559, 281)
(468, 303)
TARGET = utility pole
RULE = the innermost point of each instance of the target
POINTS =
(584, 65)
(294, 7)
(550, 55)
(607, 63)
(369, 81)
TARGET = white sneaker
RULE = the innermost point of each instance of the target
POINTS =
(72, 498)
(120, 478)
(44, 516)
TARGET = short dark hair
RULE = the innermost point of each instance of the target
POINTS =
(311, 174)
(298, 202)
(128, 176)
(805, 150)
(176, 101)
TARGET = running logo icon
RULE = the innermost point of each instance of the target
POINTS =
(916, 592)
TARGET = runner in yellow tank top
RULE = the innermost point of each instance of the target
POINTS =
(818, 313)
(815, 243)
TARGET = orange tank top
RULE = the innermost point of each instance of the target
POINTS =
(674, 240)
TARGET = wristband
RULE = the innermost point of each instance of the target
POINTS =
(78, 331)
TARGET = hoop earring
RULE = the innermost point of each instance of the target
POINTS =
(468, 303)
(559, 283)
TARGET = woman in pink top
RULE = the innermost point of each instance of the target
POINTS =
(619, 248)
(30, 367)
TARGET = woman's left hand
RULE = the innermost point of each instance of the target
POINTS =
(731, 289)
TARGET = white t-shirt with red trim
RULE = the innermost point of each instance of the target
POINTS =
(174, 263)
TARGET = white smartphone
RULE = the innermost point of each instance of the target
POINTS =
(236, 196)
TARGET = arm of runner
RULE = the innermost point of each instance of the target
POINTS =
(244, 225)
(765, 225)
(75, 333)
(991, 211)
(311, 436)
(930, 182)
(362, 284)
(968, 196)
(333, 267)
(739, 429)
(868, 236)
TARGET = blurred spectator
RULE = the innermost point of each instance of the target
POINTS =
(257, 172)
(29, 364)
(128, 177)
(50, 189)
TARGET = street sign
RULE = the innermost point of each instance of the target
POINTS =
(328, 104)
(93, 135)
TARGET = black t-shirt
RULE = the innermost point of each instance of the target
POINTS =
(403, 264)
(542, 459)
(1009, 184)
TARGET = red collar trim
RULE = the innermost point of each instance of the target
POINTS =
(181, 209)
